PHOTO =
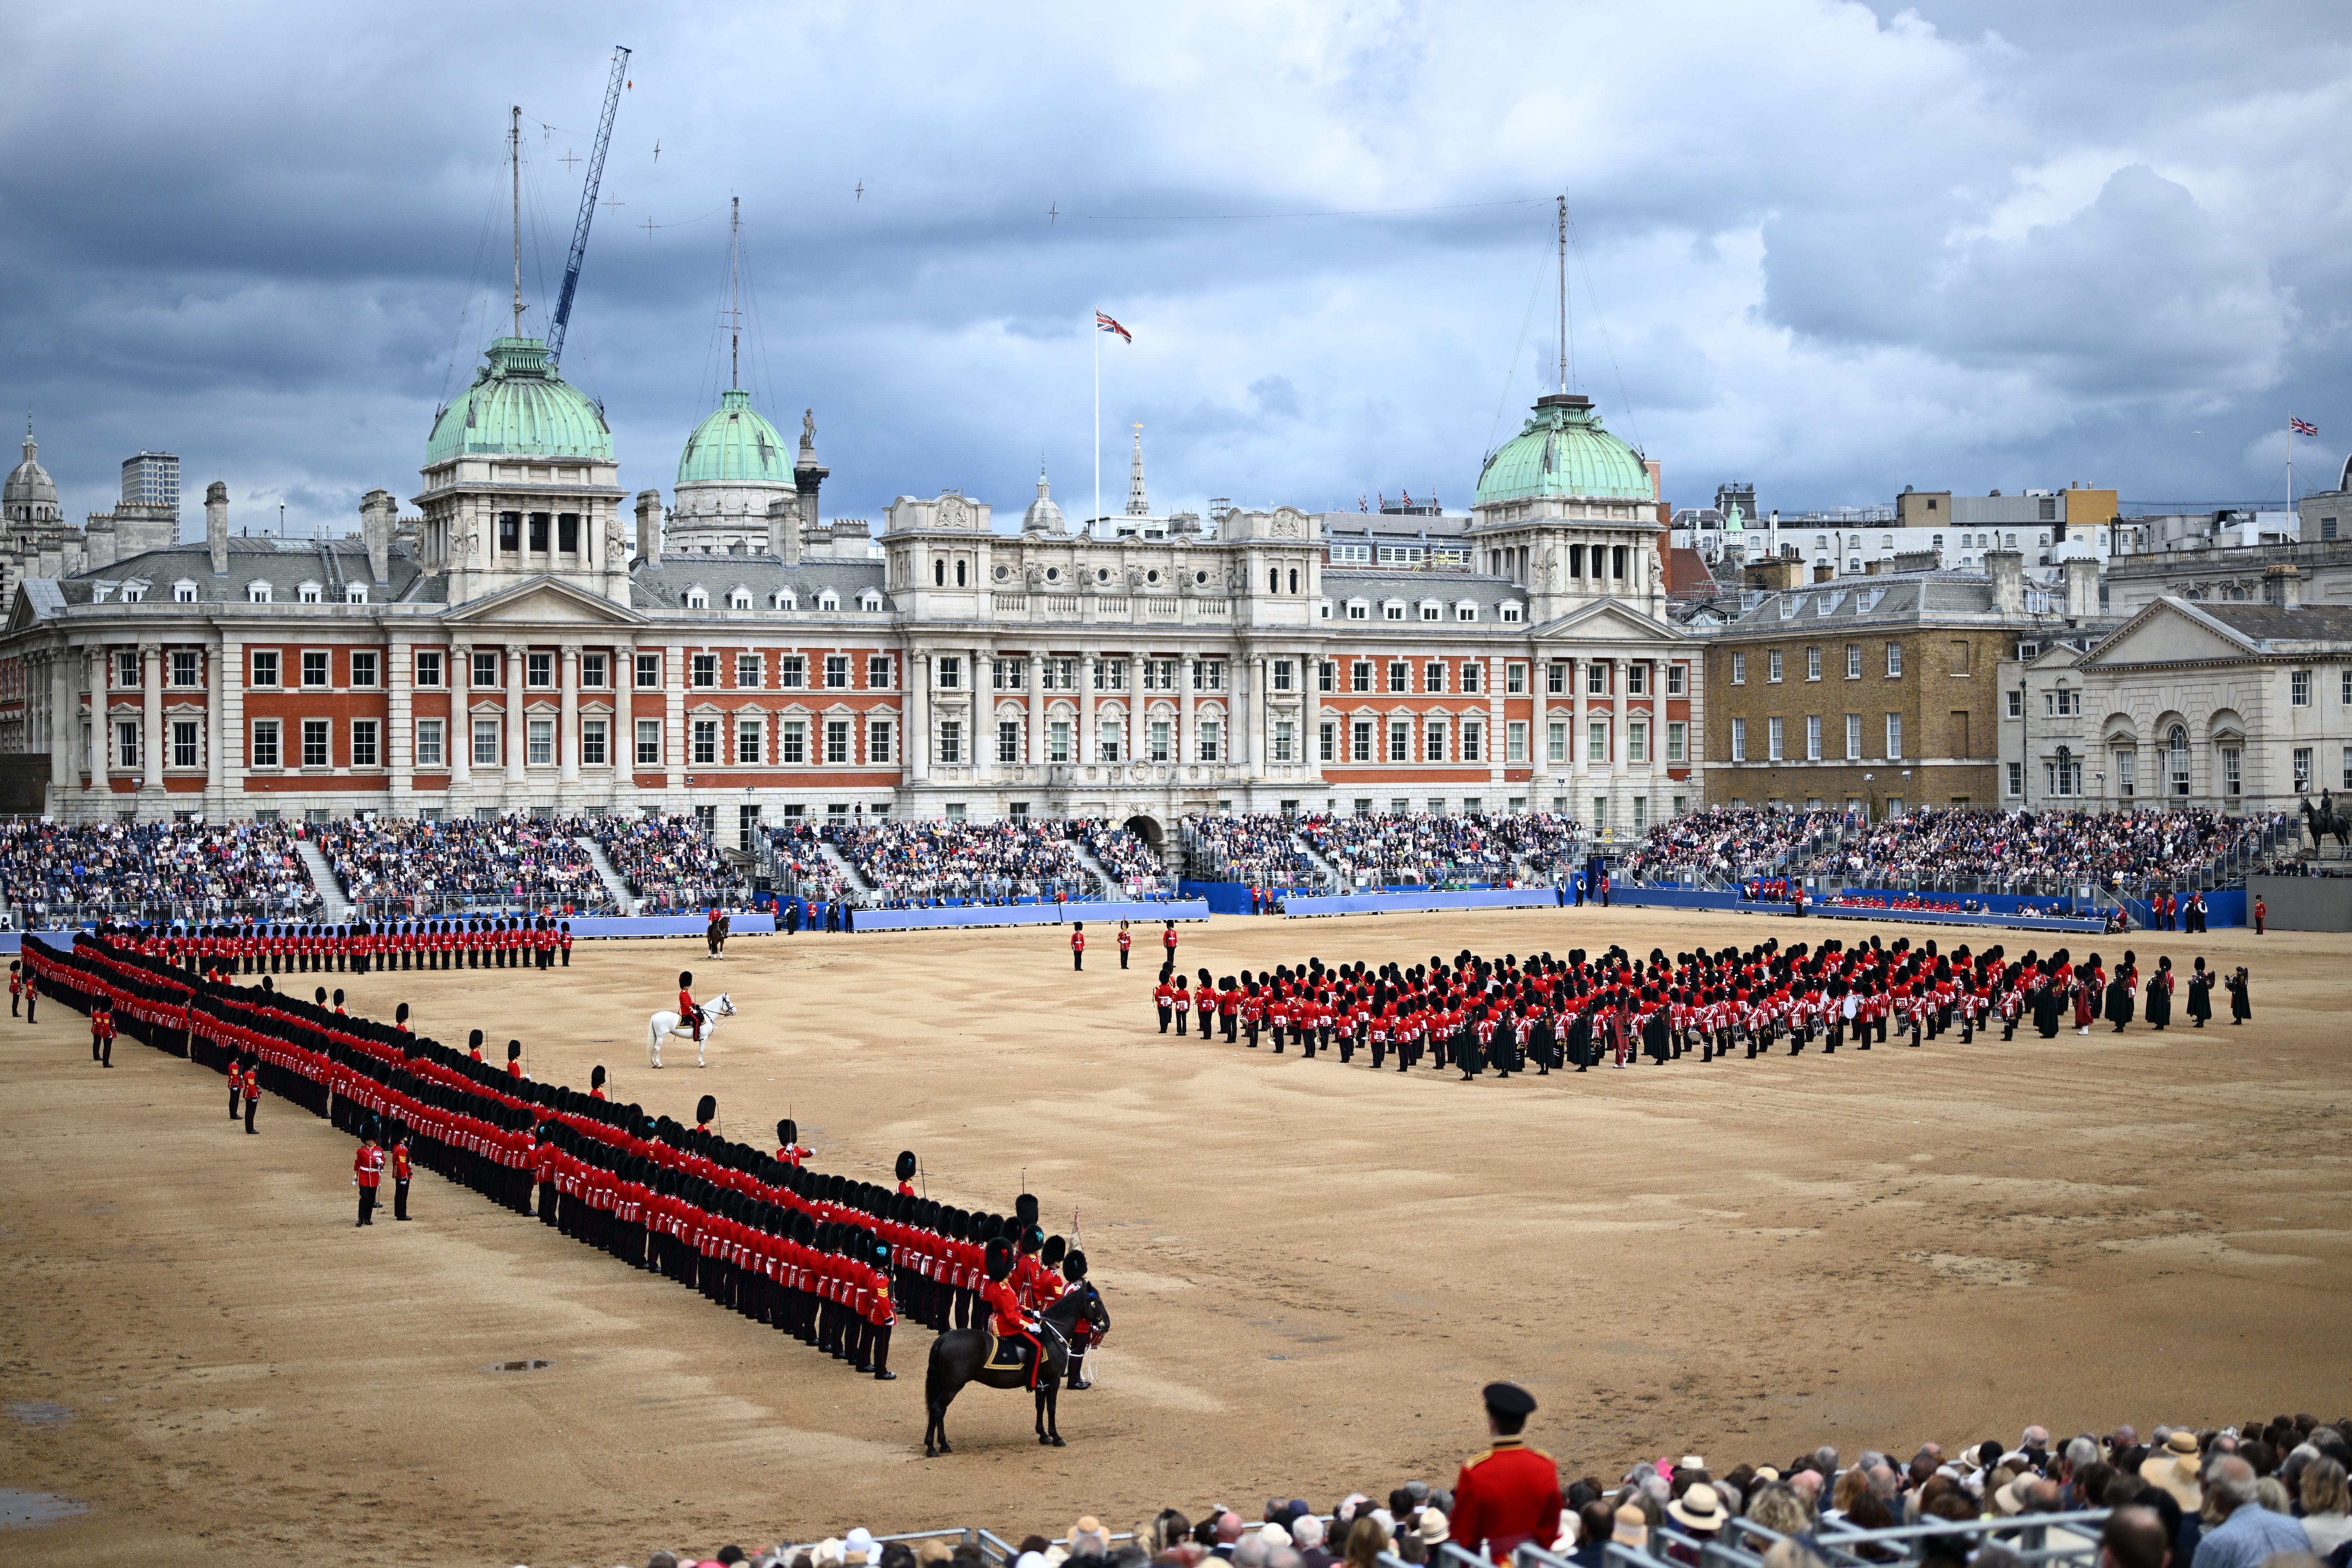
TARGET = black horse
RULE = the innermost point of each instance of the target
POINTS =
(2325, 820)
(959, 1356)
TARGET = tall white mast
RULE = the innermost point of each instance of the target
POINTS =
(735, 294)
(514, 159)
(1563, 292)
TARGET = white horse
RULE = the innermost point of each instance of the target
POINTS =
(661, 1025)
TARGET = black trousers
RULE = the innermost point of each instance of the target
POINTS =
(250, 1106)
(1122, 958)
(399, 1200)
(367, 1205)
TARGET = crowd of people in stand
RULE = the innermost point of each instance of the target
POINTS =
(392, 868)
(2113, 849)
(1258, 848)
(1475, 1014)
(913, 864)
(667, 860)
(2262, 1494)
(1134, 871)
(1727, 844)
(151, 870)
(1430, 850)
(808, 872)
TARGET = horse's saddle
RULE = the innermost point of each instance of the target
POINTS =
(1007, 1355)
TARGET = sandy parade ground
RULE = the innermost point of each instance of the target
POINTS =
(1310, 1268)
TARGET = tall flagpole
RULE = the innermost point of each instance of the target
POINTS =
(1094, 330)
(2291, 520)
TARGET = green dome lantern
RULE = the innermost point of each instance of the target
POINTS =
(518, 406)
(735, 446)
(1564, 451)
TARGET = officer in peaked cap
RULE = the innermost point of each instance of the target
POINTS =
(1509, 1495)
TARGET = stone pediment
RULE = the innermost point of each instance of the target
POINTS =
(2169, 631)
(1605, 620)
(544, 601)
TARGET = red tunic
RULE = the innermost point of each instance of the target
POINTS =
(1505, 1497)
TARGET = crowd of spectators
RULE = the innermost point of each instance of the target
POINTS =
(2268, 1494)
(1727, 844)
(2026, 849)
(667, 860)
(151, 870)
(1426, 849)
(1134, 871)
(398, 869)
(808, 872)
(1258, 848)
(913, 864)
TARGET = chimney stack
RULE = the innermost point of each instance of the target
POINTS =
(2283, 586)
(2007, 569)
(2082, 588)
(216, 525)
(378, 515)
(785, 529)
(649, 527)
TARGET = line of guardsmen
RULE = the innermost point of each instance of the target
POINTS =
(266, 947)
(825, 1258)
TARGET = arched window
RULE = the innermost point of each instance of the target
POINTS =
(1293, 579)
(1273, 580)
(2176, 765)
(939, 574)
(959, 573)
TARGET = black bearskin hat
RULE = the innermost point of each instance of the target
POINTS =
(685, 978)
(1053, 1251)
(1025, 1209)
(1000, 1258)
(788, 1133)
(1074, 1266)
(514, 1050)
(339, 998)
(706, 1107)
(400, 1014)
(321, 998)
(905, 1164)
(596, 1076)
(474, 1040)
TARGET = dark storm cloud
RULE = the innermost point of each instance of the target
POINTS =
(1828, 249)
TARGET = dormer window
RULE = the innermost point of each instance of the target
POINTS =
(698, 598)
(183, 592)
(739, 599)
(1358, 610)
(1465, 610)
(1431, 610)
(355, 593)
(828, 600)
(1392, 610)
(783, 599)
(257, 593)
(870, 602)
(134, 593)
(1511, 613)
(308, 592)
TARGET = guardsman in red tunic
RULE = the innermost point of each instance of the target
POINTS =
(251, 1071)
(1126, 940)
(16, 988)
(1007, 1317)
(563, 943)
(907, 1167)
(401, 1172)
(789, 1148)
(1508, 1496)
(367, 1171)
(514, 1059)
(596, 1082)
(688, 1013)
(101, 1032)
(1077, 945)
(1168, 939)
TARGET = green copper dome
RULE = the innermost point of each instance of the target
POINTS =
(518, 406)
(1564, 451)
(735, 446)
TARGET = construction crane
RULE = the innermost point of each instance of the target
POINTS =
(587, 207)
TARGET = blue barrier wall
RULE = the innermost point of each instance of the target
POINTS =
(1419, 903)
(739, 924)
(1693, 898)
(1102, 915)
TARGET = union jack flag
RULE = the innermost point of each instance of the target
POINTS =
(1105, 324)
(2301, 426)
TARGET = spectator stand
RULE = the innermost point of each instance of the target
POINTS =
(667, 861)
(397, 870)
(1029, 913)
(1419, 900)
(153, 873)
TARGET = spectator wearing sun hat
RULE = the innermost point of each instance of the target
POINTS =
(1701, 1514)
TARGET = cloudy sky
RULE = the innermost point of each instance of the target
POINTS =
(1831, 249)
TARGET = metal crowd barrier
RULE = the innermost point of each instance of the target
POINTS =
(2039, 1539)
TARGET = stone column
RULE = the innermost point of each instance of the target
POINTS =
(1082, 749)
(1498, 738)
(62, 773)
(400, 725)
(215, 737)
(1617, 769)
(1539, 732)
(624, 718)
(518, 654)
(1036, 747)
(1310, 709)
(151, 720)
(98, 659)
(1578, 748)
(460, 739)
(674, 717)
(228, 729)
(1185, 669)
(567, 740)
(914, 745)
(1245, 707)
